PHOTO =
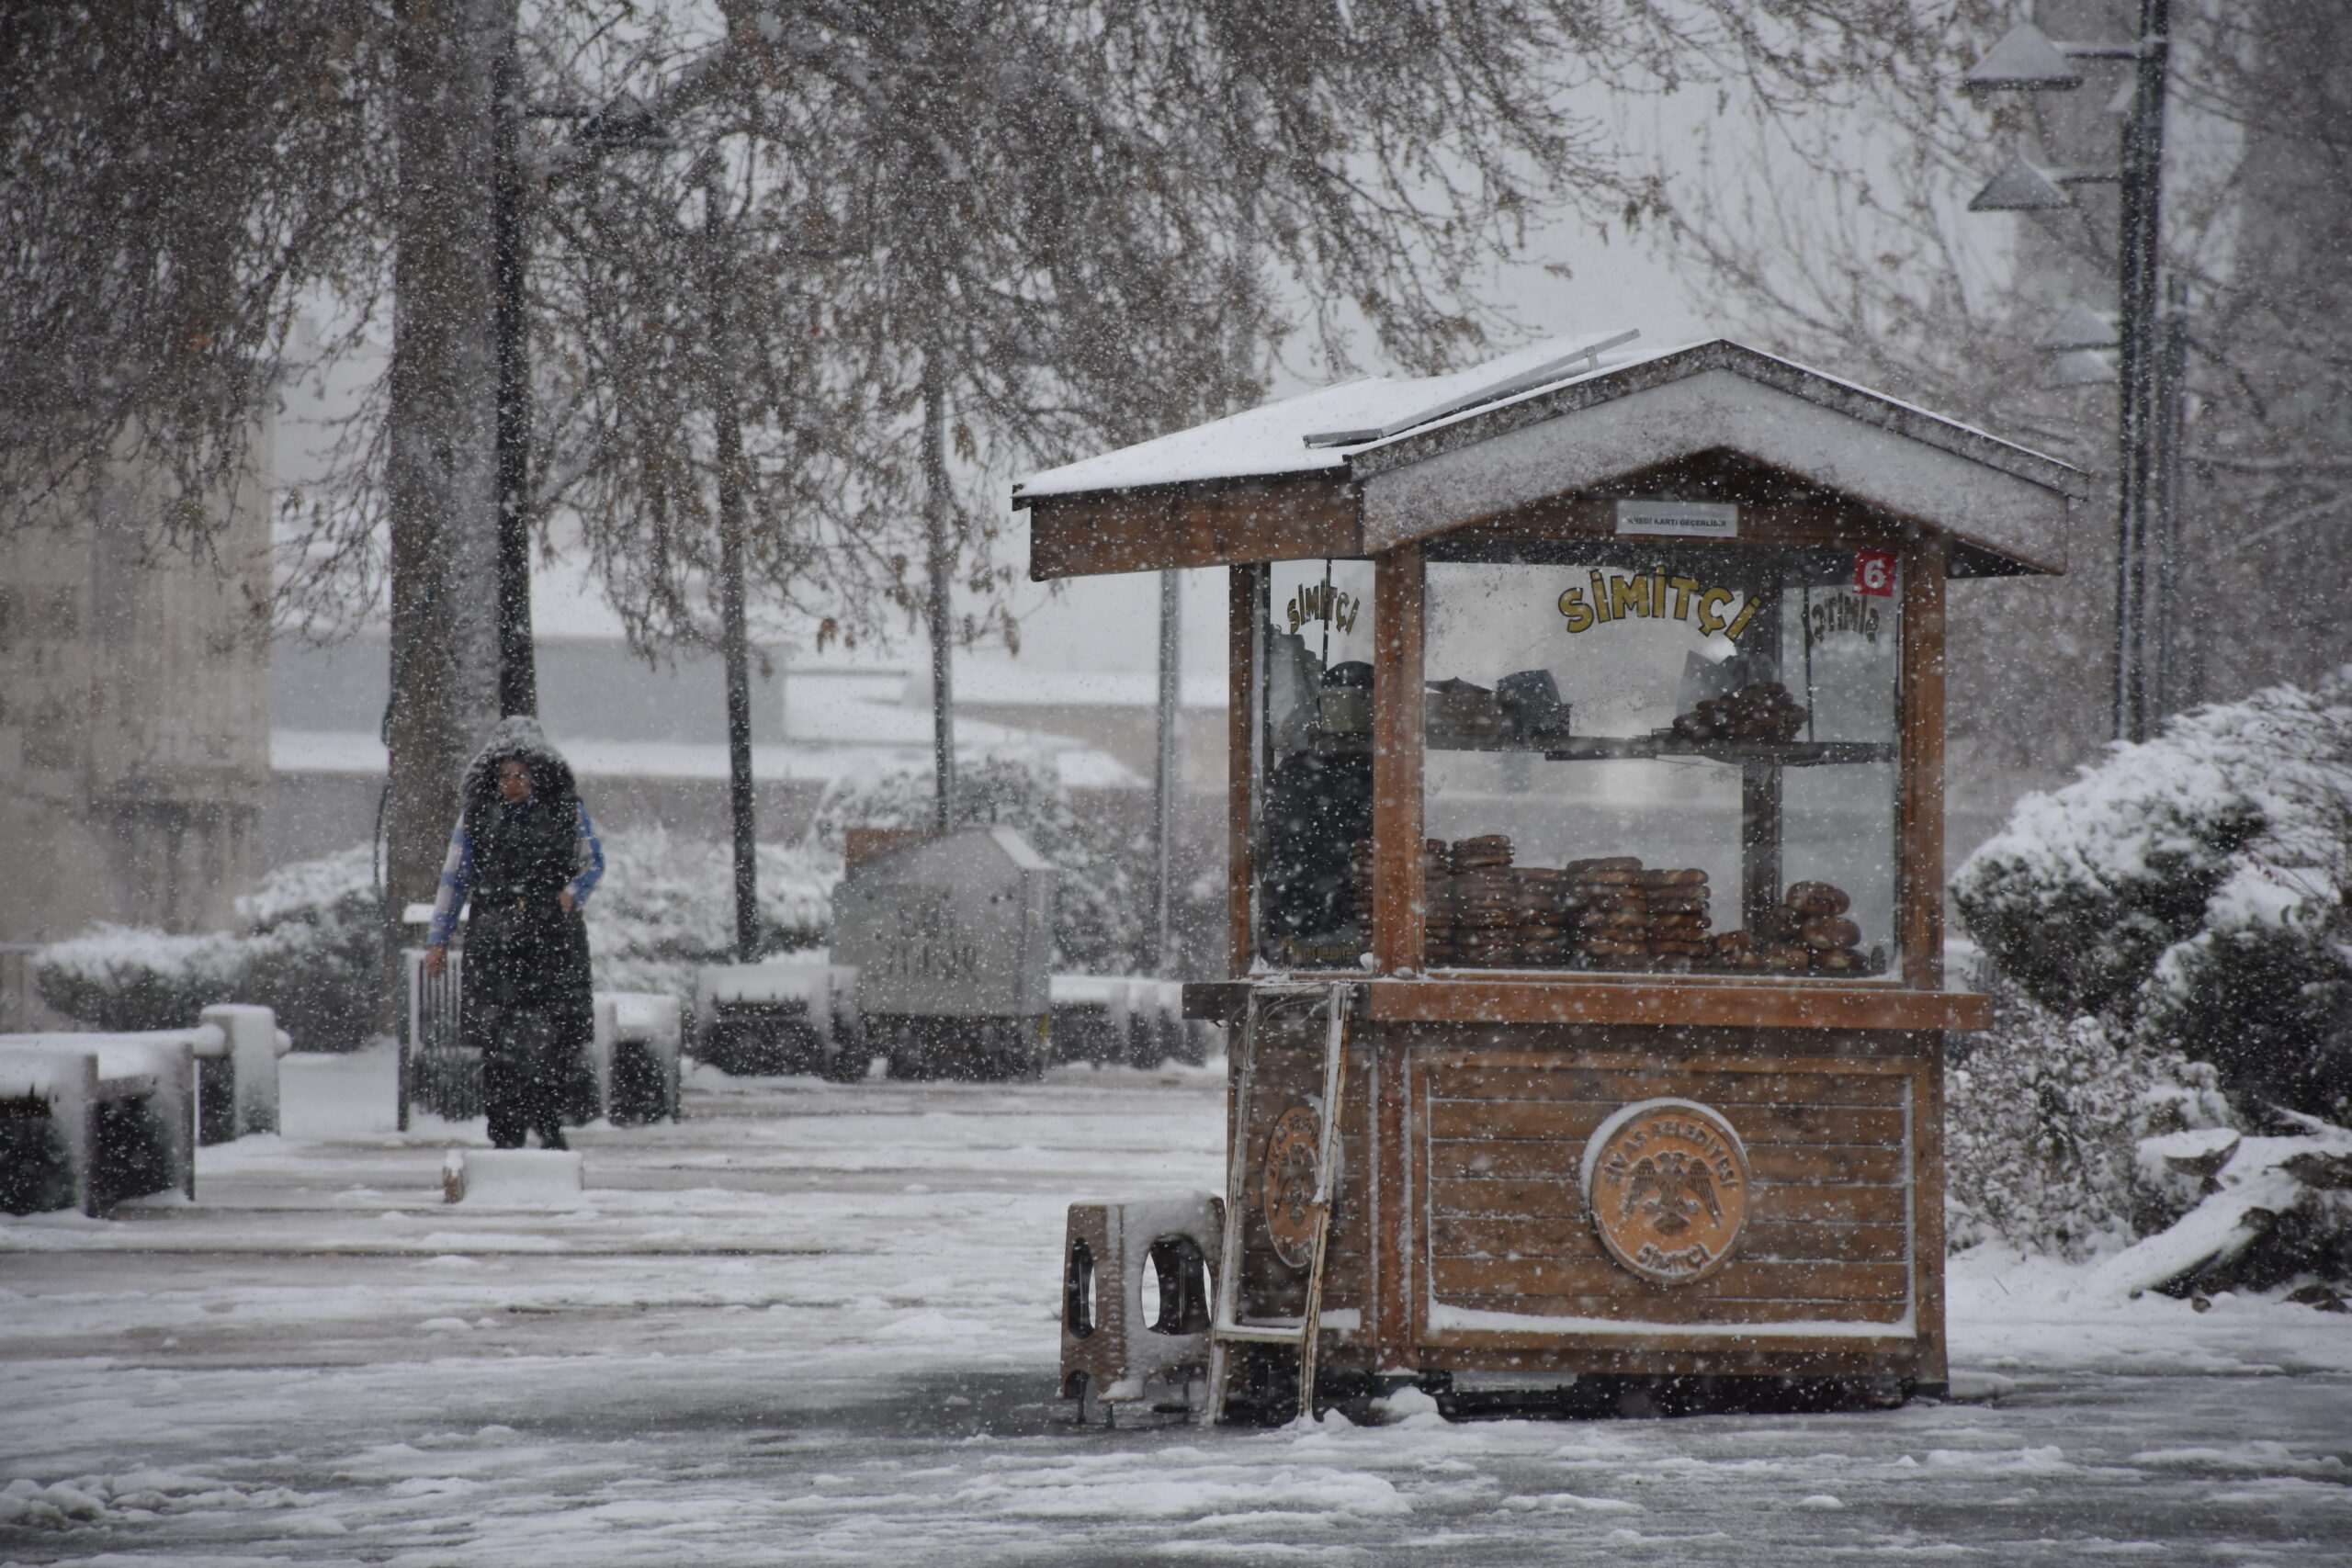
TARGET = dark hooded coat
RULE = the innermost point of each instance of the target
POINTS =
(523, 949)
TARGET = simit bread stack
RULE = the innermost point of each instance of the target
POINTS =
(1761, 711)
(1483, 901)
(1485, 912)
(1679, 914)
(1438, 931)
(1808, 929)
(1622, 914)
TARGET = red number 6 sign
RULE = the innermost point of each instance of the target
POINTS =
(1874, 572)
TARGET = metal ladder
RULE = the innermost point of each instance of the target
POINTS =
(1226, 1327)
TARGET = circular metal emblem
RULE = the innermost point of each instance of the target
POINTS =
(1667, 1184)
(1286, 1184)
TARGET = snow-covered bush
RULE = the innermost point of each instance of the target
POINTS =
(314, 950)
(2046, 1122)
(2042, 1125)
(1102, 923)
(311, 946)
(2189, 894)
(666, 907)
(310, 950)
(129, 978)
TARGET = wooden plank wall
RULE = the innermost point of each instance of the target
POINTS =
(1500, 1136)
(1290, 1072)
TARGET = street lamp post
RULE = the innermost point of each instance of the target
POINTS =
(2026, 60)
(1167, 772)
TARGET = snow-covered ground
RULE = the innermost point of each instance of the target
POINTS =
(816, 1324)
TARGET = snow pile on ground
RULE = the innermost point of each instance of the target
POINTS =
(132, 1497)
(2267, 1210)
(816, 1322)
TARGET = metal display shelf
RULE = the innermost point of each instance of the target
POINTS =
(1644, 747)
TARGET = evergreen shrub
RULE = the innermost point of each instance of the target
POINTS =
(2189, 895)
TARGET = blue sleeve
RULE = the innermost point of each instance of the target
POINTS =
(457, 873)
(590, 860)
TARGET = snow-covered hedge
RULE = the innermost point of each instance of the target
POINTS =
(2189, 895)
(666, 907)
(126, 978)
(311, 946)
(309, 949)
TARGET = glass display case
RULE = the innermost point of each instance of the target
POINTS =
(1652, 757)
(1312, 781)
(1636, 757)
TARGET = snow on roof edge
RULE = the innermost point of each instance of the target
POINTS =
(1120, 469)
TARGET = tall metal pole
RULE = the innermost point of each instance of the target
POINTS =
(939, 535)
(1167, 775)
(733, 636)
(518, 687)
(2175, 684)
(2139, 262)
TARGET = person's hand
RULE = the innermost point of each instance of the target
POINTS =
(436, 961)
(567, 900)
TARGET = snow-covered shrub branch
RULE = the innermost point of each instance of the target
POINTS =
(2044, 1120)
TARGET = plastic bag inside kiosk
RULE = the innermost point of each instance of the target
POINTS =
(1584, 993)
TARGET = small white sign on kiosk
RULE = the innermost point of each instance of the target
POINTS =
(1679, 519)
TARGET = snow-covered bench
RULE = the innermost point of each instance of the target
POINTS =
(639, 1034)
(237, 1048)
(1123, 1017)
(788, 1015)
(89, 1120)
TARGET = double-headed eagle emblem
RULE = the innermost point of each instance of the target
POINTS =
(1671, 1186)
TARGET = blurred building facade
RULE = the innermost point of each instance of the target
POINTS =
(134, 708)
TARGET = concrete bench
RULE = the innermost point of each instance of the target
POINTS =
(89, 1120)
(635, 1051)
(783, 1016)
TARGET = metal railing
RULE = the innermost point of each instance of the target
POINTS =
(437, 1072)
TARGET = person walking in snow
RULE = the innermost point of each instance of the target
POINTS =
(527, 854)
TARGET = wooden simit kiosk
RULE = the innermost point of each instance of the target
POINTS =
(1588, 1006)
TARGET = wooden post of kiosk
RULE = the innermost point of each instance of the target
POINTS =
(1585, 1002)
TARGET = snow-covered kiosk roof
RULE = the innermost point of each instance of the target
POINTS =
(1366, 466)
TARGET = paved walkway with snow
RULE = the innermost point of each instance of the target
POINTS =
(816, 1324)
